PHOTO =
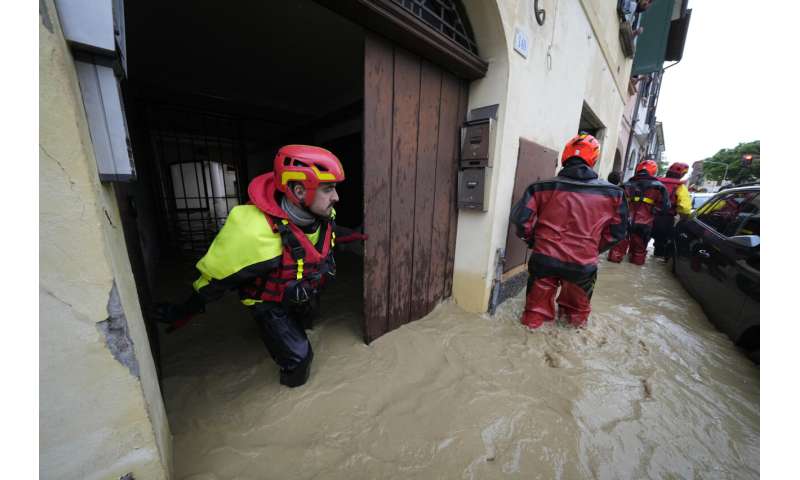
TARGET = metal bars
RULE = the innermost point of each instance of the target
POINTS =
(445, 16)
(198, 158)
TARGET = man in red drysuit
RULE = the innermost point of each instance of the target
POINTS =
(646, 197)
(567, 221)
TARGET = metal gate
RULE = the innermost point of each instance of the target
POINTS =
(199, 158)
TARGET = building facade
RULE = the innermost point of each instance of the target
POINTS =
(665, 27)
(398, 89)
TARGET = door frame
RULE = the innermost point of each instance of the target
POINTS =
(403, 28)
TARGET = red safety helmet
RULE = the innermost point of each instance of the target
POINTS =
(308, 165)
(583, 146)
(678, 169)
(648, 165)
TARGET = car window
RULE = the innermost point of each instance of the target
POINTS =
(727, 211)
(750, 218)
(699, 200)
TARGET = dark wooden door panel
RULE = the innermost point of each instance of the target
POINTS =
(404, 168)
(534, 162)
(445, 157)
(412, 112)
(379, 89)
(430, 95)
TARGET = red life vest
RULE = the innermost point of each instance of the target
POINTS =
(671, 184)
(301, 260)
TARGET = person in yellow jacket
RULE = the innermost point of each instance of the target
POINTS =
(681, 204)
(277, 251)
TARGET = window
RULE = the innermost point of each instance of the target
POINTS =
(698, 200)
(445, 16)
(727, 212)
(750, 218)
(591, 124)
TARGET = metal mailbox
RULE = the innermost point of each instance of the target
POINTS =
(472, 188)
(477, 139)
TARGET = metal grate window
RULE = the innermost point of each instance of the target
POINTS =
(198, 156)
(445, 16)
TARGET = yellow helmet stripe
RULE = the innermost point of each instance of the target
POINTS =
(323, 176)
(292, 176)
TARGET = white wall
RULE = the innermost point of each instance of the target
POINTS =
(574, 57)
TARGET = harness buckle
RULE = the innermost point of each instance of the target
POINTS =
(298, 252)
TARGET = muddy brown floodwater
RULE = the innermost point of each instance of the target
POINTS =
(649, 390)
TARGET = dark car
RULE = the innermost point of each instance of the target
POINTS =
(717, 254)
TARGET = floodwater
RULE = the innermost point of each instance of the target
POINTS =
(649, 390)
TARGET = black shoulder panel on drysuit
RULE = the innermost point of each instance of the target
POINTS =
(567, 185)
(215, 289)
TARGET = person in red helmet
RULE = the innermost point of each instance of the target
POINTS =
(681, 204)
(567, 221)
(277, 251)
(646, 197)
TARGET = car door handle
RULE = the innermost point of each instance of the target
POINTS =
(704, 253)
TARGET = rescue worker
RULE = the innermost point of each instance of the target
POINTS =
(277, 251)
(680, 204)
(646, 197)
(567, 221)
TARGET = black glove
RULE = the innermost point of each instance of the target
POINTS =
(298, 293)
(168, 313)
(178, 315)
(329, 268)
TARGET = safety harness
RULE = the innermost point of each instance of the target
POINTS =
(637, 194)
(643, 207)
(304, 266)
(296, 249)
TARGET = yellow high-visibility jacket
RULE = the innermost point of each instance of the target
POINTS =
(683, 201)
(244, 249)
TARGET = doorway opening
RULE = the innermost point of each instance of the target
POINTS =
(213, 91)
(617, 161)
(591, 124)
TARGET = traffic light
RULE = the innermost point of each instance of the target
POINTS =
(747, 159)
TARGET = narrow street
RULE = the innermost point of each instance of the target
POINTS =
(649, 390)
(235, 198)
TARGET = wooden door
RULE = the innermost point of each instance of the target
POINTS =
(534, 162)
(413, 110)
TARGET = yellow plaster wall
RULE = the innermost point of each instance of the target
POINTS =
(574, 57)
(96, 419)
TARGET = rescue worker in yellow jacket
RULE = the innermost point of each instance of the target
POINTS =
(680, 204)
(277, 251)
